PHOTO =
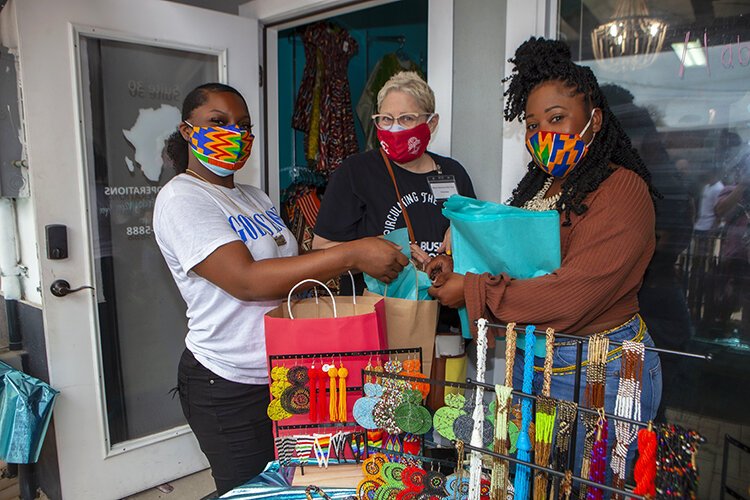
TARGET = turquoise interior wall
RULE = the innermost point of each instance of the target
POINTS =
(407, 18)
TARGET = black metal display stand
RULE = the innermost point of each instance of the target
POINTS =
(470, 383)
(333, 355)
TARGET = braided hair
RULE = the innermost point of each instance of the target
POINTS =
(536, 61)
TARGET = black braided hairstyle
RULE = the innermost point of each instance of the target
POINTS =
(536, 61)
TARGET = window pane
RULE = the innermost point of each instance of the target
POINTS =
(132, 104)
(681, 90)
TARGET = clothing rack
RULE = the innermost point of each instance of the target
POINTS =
(554, 472)
(579, 340)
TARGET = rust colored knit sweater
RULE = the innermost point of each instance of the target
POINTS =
(605, 252)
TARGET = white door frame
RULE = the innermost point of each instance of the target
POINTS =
(49, 73)
(276, 16)
(523, 20)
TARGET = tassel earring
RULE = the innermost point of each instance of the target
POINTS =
(332, 398)
(315, 374)
(342, 410)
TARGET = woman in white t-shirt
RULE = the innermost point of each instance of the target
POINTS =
(233, 259)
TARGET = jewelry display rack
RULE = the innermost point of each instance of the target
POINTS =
(470, 383)
(278, 428)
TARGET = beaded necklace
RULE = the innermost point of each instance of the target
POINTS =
(523, 473)
(500, 473)
(545, 421)
(628, 405)
(539, 203)
(594, 397)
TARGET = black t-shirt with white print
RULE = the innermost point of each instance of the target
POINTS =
(360, 201)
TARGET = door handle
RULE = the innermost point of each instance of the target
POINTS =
(61, 288)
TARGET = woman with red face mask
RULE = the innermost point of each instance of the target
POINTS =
(584, 166)
(370, 191)
(361, 198)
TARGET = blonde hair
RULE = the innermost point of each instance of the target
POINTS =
(410, 83)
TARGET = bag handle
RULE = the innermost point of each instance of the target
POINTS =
(315, 489)
(409, 227)
(289, 297)
(354, 291)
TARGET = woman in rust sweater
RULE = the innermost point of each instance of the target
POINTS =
(583, 166)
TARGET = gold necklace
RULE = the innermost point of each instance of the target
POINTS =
(278, 238)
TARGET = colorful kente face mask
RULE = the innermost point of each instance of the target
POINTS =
(556, 153)
(222, 150)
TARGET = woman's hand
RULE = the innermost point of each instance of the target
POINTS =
(439, 265)
(419, 256)
(448, 288)
(445, 246)
(379, 258)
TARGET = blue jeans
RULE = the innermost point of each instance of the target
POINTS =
(563, 385)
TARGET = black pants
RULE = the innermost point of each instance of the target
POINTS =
(229, 420)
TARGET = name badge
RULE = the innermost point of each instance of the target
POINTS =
(442, 186)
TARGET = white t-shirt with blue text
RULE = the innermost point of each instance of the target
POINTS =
(191, 220)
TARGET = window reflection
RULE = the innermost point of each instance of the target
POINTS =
(687, 111)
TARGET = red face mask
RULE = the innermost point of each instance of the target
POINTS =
(405, 145)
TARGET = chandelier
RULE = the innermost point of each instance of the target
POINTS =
(631, 39)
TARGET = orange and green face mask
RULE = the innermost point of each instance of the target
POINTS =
(557, 154)
(223, 150)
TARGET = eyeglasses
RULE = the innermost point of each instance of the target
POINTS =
(406, 120)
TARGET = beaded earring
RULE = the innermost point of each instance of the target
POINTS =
(368, 487)
(435, 484)
(322, 448)
(445, 416)
(596, 376)
(392, 442)
(393, 482)
(628, 405)
(545, 420)
(645, 467)
(357, 444)
(413, 481)
(296, 397)
(383, 412)
(304, 448)
(458, 484)
(500, 468)
(676, 470)
(598, 467)
(279, 384)
(463, 426)
(364, 406)
(412, 368)
(411, 416)
(285, 446)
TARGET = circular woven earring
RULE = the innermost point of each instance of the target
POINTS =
(296, 398)
(411, 416)
(364, 406)
(446, 415)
